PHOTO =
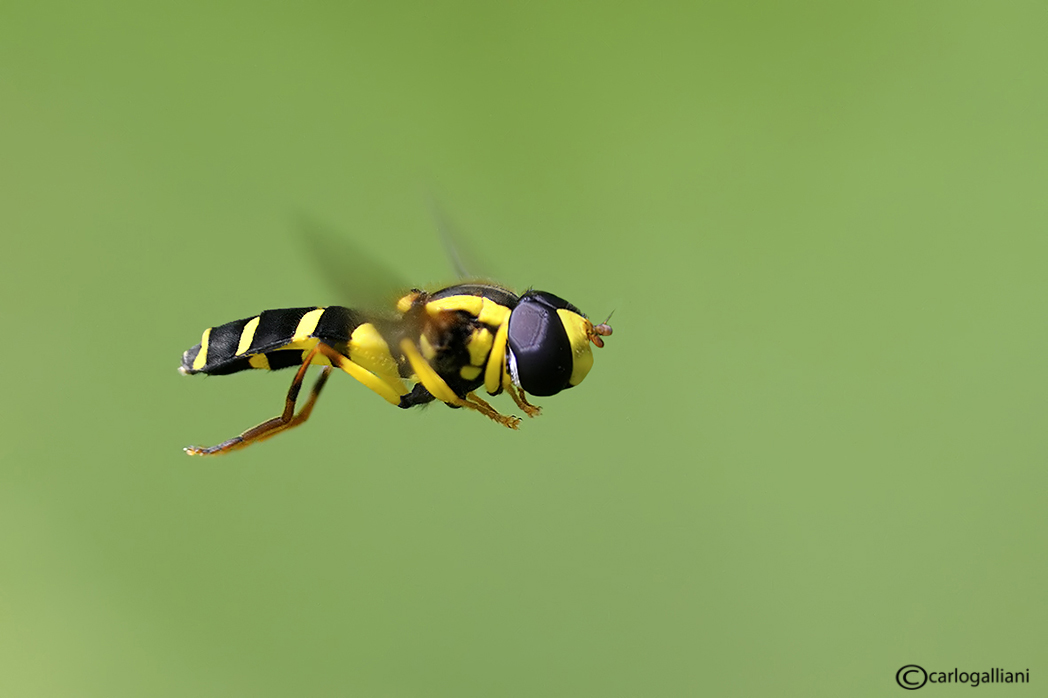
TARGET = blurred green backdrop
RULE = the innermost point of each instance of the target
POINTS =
(814, 451)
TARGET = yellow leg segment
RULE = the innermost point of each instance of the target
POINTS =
(388, 389)
(429, 378)
(432, 382)
(493, 374)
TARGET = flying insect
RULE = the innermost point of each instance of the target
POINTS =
(441, 346)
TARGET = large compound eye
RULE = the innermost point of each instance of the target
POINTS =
(540, 350)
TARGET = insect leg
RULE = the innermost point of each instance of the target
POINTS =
(437, 387)
(428, 377)
(475, 403)
(522, 402)
(390, 388)
(272, 427)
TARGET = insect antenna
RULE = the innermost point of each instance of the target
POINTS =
(601, 330)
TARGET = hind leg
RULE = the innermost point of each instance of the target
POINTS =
(287, 420)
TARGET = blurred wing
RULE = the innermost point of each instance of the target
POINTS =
(359, 279)
(462, 261)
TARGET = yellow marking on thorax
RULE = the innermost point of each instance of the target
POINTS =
(496, 361)
(578, 329)
(307, 325)
(405, 302)
(427, 349)
(469, 304)
(469, 372)
(485, 310)
(259, 361)
(247, 335)
(491, 313)
(201, 358)
(479, 346)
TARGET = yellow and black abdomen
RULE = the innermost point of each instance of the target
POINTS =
(273, 340)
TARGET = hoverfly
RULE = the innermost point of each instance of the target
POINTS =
(447, 345)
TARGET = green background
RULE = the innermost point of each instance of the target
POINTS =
(813, 451)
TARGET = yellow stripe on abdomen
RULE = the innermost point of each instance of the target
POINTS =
(247, 335)
(201, 358)
(307, 325)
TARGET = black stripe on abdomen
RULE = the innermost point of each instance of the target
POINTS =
(220, 348)
(337, 324)
(283, 359)
(268, 334)
(269, 331)
(234, 366)
(222, 344)
(276, 328)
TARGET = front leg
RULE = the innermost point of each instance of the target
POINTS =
(522, 402)
(475, 403)
(437, 387)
